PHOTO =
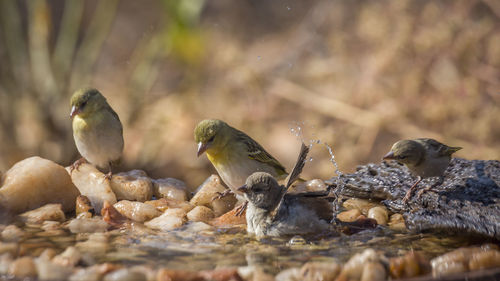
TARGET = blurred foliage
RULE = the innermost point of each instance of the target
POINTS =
(357, 75)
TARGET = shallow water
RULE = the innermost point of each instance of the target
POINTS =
(190, 249)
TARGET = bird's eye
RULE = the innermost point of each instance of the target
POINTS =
(211, 139)
(83, 104)
(403, 157)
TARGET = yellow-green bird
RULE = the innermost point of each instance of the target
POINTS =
(234, 154)
(423, 157)
(97, 129)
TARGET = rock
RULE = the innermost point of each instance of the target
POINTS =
(349, 216)
(49, 212)
(83, 204)
(466, 201)
(23, 268)
(5, 262)
(373, 271)
(96, 244)
(221, 274)
(177, 275)
(170, 188)
(200, 213)
(70, 257)
(48, 270)
(362, 205)
(397, 222)
(290, 274)
(51, 225)
(163, 204)
(34, 182)
(87, 274)
(90, 225)
(132, 185)
(136, 211)
(354, 268)
(170, 219)
(380, 214)
(410, 265)
(93, 184)
(112, 217)
(465, 259)
(12, 233)
(124, 274)
(197, 226)
(229, 219)
(206, 193)
(316, 185)
(326, 271)
(9, 248)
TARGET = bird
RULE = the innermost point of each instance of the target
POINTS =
(234, 155)
(424, 158)
(97, 130)
(272, 211)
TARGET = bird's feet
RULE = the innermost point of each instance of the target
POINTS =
(407, 196)
(108, 176)
(77, 164)
(220, 195)
(241, 209)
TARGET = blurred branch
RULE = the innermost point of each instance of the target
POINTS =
(14, 40)
(38, 33)
(91, 45)
(67, 39)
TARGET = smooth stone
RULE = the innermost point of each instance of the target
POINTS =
(411, 264)
(349, 216)
(170, 188)
(23, 268)
(70, 257)
(34, 182)
(354, 267)
(49, 212)
(83, 204)
(373, 271)
(96, 244)
(93, 184)
(133, 185)
(9, 248)
(229, 219)
(5, 261)
(397, 222)
(380, 214)
(200, 213)
(206, 193)
(465, 259)
(362, 205)
(169, 220)
(326, 271)
(92, 273)
(125, 274)
(290, 274)
(12, 233)
(90, 225)
(48, 270)
(164, 204)
(136, 211)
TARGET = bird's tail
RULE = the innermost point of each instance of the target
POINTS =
(299, 165)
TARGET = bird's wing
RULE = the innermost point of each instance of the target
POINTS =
(258, 153)
(292, 177)
(439, 148)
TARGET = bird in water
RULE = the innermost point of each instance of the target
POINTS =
(97, 129)
(234, 155)
(424, 158)
(274, 212)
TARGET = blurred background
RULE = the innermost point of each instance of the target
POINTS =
(357, 75)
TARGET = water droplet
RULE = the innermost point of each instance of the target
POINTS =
(288, 8)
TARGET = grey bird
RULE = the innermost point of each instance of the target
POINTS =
(273, 212)
(424, 158)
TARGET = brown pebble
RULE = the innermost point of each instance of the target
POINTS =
(23, 267)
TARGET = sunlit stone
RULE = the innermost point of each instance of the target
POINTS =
(22, 268)
(12, 233)
(49, 212)
(380, 214)
(124, 274)
(349, 216)
(170, 219)
(91, 225)
(326, 271)
(132, 185)
(170, 188)
(200, 213)
(363, 205)
(34, 182)
(136, 211)
(92, 183)
(208, 190)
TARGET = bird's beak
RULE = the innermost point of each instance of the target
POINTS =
(202, 147)
(389, 156)
(74, 111)
(243, 188)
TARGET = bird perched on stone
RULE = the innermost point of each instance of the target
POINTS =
(423, 157)
(234, 154)
(97, 129)
(273, 212)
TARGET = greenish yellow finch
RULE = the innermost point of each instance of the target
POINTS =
(423, 157)
(234, 154)
(272, 211)
(97, 129)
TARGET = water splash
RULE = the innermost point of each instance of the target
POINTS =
(340, 182)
